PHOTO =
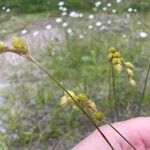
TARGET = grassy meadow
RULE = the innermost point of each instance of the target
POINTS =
(74, 50)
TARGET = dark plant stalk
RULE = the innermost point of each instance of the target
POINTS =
(114, 92)
(120, 135)
(109, 94)
(64, 89)
(143, 92)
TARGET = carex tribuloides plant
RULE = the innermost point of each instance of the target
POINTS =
(117, 63)
(80, 100)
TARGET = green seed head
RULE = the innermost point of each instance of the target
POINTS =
(112, 50)
(118, 67)
(110, 56)
(99, 116)
(117, 55)
(132, 82)
(19, 45)
(130, 72)
(3, 47)
(82, 97)
(116, 61)
(129, 65)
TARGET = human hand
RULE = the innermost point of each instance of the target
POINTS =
(136, 130)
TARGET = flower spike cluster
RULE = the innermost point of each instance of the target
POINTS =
(129, 69)
(3, 47)
(88, 105)
(117, 60)
(19, 46)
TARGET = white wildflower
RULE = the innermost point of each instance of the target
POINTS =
(98, 24)
(58, 20)
(143, 34)
(91, 16)
(98, 3)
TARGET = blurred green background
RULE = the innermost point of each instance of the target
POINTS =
(36, 6)
(73, 49)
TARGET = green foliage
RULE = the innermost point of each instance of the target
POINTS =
(27, 6)
(37, 6)
(79, 5)
(3, 142)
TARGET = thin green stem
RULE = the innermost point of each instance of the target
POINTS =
(143, 92)
(65, 90)
(114, 91)
(121, 135)
(109, 94)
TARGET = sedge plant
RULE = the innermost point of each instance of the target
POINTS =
(117, 63)
(80, 100)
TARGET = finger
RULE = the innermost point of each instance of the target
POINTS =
(137, 131)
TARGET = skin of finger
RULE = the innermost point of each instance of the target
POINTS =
(136, 130)
(96, 142)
